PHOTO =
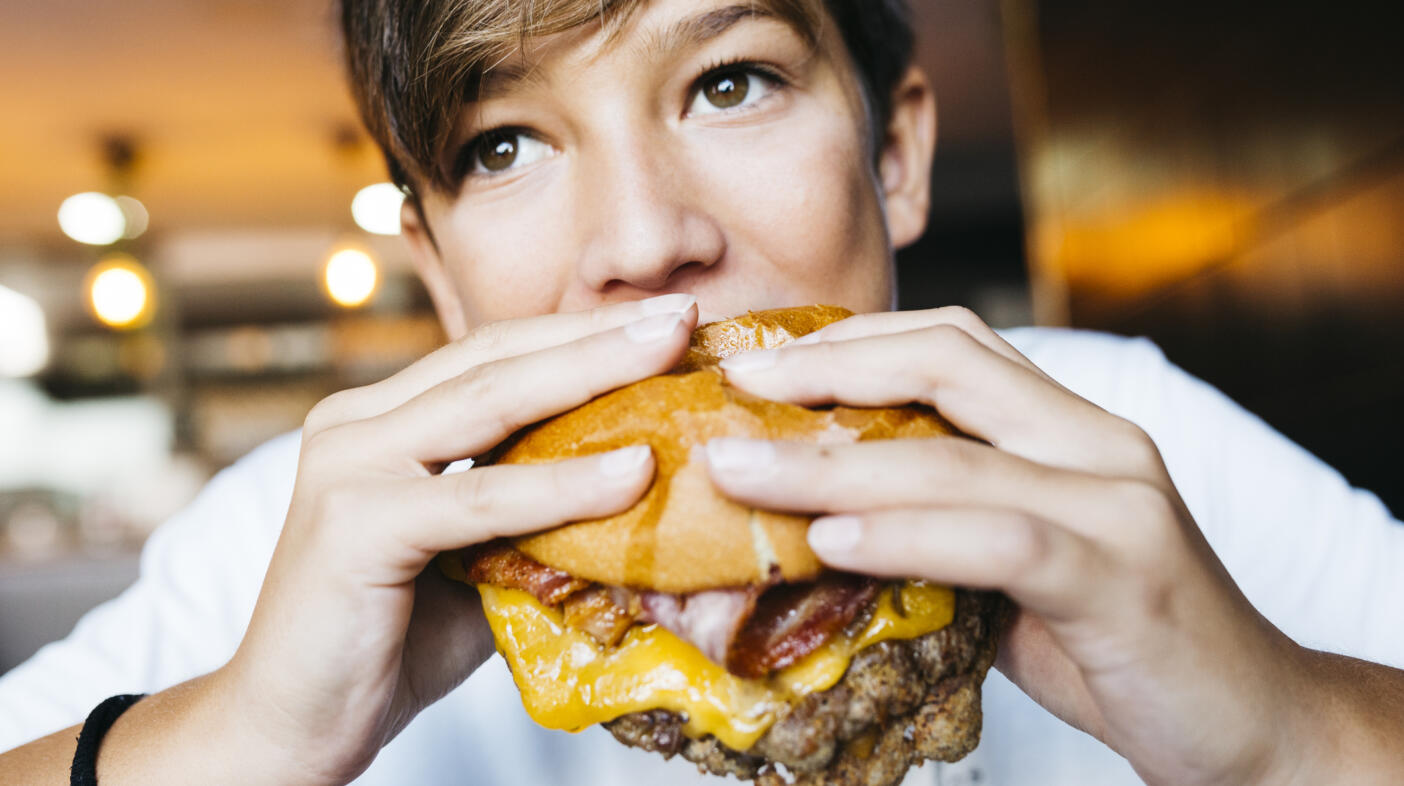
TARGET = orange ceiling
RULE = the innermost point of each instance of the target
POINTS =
(235, 106)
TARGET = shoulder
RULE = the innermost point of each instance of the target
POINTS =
(1056, 343)
(1111, 371)
(1132, 378)
(269, 469)
(238, 514)
(1188, 419)
(203, 568)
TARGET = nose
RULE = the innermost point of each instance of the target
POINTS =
(644, 218)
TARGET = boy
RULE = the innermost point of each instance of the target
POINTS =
(586, 188)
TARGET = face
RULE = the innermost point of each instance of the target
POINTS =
(702, 149)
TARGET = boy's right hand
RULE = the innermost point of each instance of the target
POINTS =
(351, 636)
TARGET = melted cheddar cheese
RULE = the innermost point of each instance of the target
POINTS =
(568, 681)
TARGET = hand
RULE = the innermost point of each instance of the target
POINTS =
(1129, 628)
(352, 636)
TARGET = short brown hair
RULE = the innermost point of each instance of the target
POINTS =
(412, 64)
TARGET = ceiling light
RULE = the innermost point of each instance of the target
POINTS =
(120, 292)
(376, 208)
(92, 218)
(350, 277)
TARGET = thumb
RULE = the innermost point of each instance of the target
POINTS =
(1033, 660)
(447, 640)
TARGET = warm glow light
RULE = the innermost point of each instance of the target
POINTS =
(1133, 247)
(92, 218)
(119, 290)
(376, 208)
(350, 277)
(24, 341)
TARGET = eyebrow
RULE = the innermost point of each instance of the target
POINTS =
(504, 78)
(697, 30)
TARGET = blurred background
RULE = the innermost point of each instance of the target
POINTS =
(194, 250)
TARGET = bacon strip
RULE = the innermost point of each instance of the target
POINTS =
(597, 612)
(499, 564)
(792, 620)
(707, 620)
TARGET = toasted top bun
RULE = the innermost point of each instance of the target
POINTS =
(683, 536)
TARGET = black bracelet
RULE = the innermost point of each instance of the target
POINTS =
(84, 769)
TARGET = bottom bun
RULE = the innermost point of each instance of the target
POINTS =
(900, 703)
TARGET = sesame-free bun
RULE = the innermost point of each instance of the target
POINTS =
(683, 536)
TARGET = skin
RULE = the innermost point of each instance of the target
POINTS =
(1129, 627)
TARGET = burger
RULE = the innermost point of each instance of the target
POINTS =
(692, 625)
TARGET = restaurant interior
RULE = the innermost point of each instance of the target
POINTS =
(197, 242)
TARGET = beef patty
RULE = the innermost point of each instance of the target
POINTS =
(899, 703)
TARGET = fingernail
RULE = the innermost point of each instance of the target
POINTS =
(750, 361)
(675, 303)
(462, 465)
(731, 454)
(835, 534)
(807, 338)
(623, 462)
(650, 329)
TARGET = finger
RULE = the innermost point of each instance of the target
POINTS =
(981, 392)
(888, 322)
(899, 473)
(1043, 567)
(445, 640)
(490, 342)
(476, 410)
(454, 511)
(1031, 657)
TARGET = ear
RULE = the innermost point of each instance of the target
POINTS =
(430, 266)
(904, 165)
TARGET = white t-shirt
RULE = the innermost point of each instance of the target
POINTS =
(1323, 561)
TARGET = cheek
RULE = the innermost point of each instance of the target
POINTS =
(803, 201)
(504, 263)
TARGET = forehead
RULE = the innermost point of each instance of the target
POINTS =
(642, 30)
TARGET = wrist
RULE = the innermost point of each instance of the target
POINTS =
(267, 741)
(1350, 724)
(1281, 742)
(193, 727)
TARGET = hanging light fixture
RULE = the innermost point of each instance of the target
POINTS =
(98, 219)
(350, 276)
(93, 218)
(120, 292)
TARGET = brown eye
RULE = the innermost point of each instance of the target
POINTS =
(502, 150)
(731, 89)
(497, 151)
(725, 91)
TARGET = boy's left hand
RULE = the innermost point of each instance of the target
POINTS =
(1129, 628)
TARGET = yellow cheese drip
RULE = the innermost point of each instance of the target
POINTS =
(568, 681)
